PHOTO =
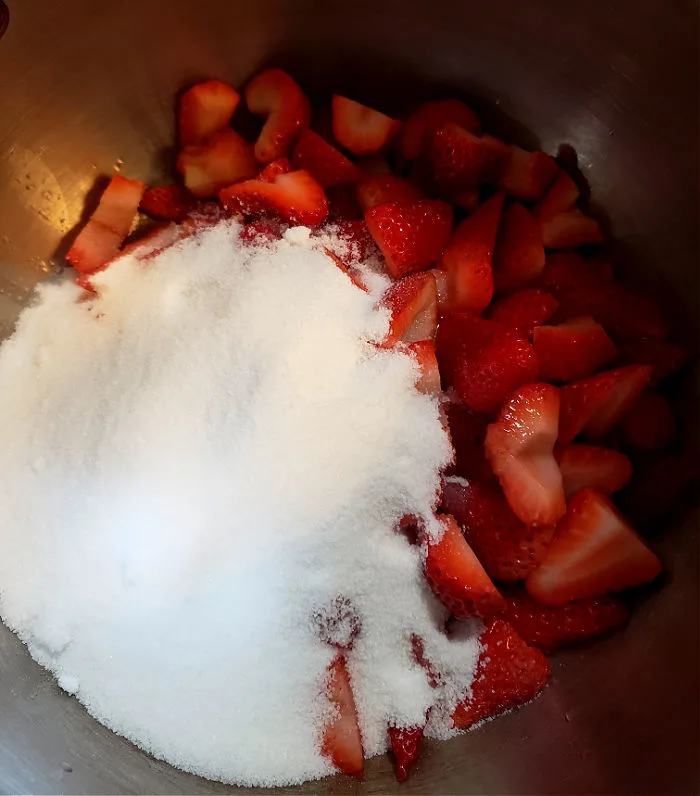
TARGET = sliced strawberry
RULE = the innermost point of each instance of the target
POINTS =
(649, 425)
(274, 169)
(430, 116)
(594, 552)
(360, 244)
(405, 744)
(324, 162)
(518, 258)
(412, 302)
(431, 672)
(429, 379)
(204, 109)
(597, 404)
(384, 188)
(519, 446)
(295, 197)
(665, 358)
(278, 97)
(342, 203)
(441, 284)
(571, 229)
(602, 469)
(360, 129)
(467, 431)
(215, 163)
(509, 673)
(355, 279)
(523, 310)
(560, 198)
(461, 159)
(167, 203)
(410, 235)
(528, 174)
(259, 232)
(95, 246)
(572, 350)
(468, 255)
(342, 742)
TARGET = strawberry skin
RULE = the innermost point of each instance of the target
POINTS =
(324, 162)
(430, 116)
(467, 431)
(528, 174)
(572, 350)
(649, 425)
(518, 258)
(412, 303)
(342, 742)
(215, 163)
(461, 159)
(204, 109)
(361, 130)
(167, 203)
(274, 169)
(405, 744)
(602, 469)
(382, 188)
(523, 310)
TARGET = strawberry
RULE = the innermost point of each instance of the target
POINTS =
(356, 280)
(430, 116)
(274, 169)
(412, 303)
(405, 744)
(295, 197)
(460, 159)
(597, 404)
(467, 431)
(528, 174)
(360, 129)
(561, 197)
(572, 350)
(523, 310)
(342, 742)
(665, 358)
(204, 109)
(602, 469)
(550, 627)
(278, 97)
(509, 673)
(373, 166)
(467, 258)
(457, 578)
(594, 552)
(384, 188)
(258, 232)
(518, 258)
(355, 235)
(215, 163)
(93, 248)
(429, 376)
(507, 548)
(410, 235)
(324, 162)
(167, 203)
(649, 425)
(342, 204)
(519, 446)
(465, 198)
(571, 229)
(441, 285)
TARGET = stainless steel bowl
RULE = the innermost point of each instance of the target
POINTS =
(88, 87)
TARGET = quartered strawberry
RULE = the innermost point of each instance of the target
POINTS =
(596, 405)
(549, 627)
(441, 284)
(572, 350)
(430, 116)
(649, 425)
(665, 358)
(204, 109)
(460, 159)
(167, 203)
(518, 258)
(274, 169)
(506, 547)
(412, 303)
(571, 229)
(519, 446)
(528, 174)
(468, 255)
(467, 431)
(457, 578)
(342, 742)
(216, 162)
(295, 197)
(342, 203)
(278, 97)
(377, 190)
(410, 235)
(429, 376)
(361, 130)
(509, 673)
(603, 469)
(405, 744)
(523, 310)
(355, 235)
(324, 162)
(594, 552)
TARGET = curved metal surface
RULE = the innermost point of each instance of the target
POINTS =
(86, 86)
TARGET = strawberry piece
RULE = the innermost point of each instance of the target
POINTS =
(342, 742)
(412, 302)
(460, 159)
(429, 376)
(384, 188)
(507, 548)
(550, 627)
(258, 232)
(274, 169)
(509, 673)
(324, 162)
(373, 166)
(528, 174)
(465, 198)
(361, 130)
(572, 350)
(519, 445)
(597, 404)
(342, 203)
(341, 265)
(94, 247)
(523, 310)
(518, 258)
(167, 203)
(467, 258)
(560, 198)
(457, 578)
(441, 285)
(355, 235)
(429, 117)
(410, 235)
(665, 358)
(278, 97)
(431, 672)
(467, 431)
(602, 469)
(649, 425)
(594, 552)
(571, 229)
(204, 109)
(295, 197)
(215, 163)
(405, 744)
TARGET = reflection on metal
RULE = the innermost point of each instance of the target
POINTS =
(4, 18)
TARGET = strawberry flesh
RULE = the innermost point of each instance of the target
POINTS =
(215, 163)
(603, 469)
(572, 350)
(324, 162)
(379, 189)
(361, 130)
(460, 159)
(204, 109)
(412, 303)
(518, 258)
(523, 310)
(167, 203)
(423, 351)
(342, 742)
(429, 117)
(528, 174)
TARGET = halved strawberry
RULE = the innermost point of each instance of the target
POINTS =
(649, 425)
(410, 235)
(383, 188)
(528, 174)
(274, 169)
(215, 163)
(460, 159)
(412, 302)
(342, 742)
(468, 255)
(204, 109)
(509, 673)
(665, 358)
(360, 129)
(278, 97)
(572, 350)
(518, 258)
(324, 162)
(519, 445)
(428, 117)
(167, 203)
(429, 379)
(594, 552)
(523, 310)
(467, 431)
(571, 229)
(603, 469)
(295, 197)
(405, 744)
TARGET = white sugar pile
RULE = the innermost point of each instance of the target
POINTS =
(194, 467)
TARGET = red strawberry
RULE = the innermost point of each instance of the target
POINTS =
(549, 627)
(523, 310)
(295, 197)
(430, 116)
(665, 358)
(649, 425)
(518, 258)
(324, 162)
(360, 129)
(572, 350)
(204, 109)
(467, 432)
(509, 673)
(94, 247)
(461, 159)
(167, 203)
(215, 163)
(441, 284)
(571, 229)
(594, 552)
(356, 236)
(519, 446)
(258, 232)
(411, 235)
(507, 548)
(373, 166)
(356, 280)
(560, 198)
(405, 744)
(274, 169)
(602, 469)
(457, 578)
(412, 302)
(528, 174)
(384, 188)
(278, 97)
(467, 258)
(342, 204)
(342, 742)
(429, 379)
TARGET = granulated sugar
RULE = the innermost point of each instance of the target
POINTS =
(197, 467)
